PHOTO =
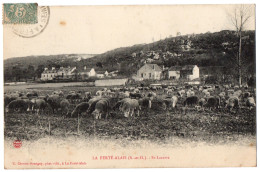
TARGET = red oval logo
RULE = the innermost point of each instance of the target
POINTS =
(17, 143)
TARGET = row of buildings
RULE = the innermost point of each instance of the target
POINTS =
(72, 73)
(155, 72)
(148, 71)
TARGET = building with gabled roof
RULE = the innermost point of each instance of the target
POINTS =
(150, 71)
(62, 73)
(173, 72)
(49, 74)
(188, 72)
(101, 74)
(87, 72)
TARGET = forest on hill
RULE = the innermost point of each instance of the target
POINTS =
(207, 50)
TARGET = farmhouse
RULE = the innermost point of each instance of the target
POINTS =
(66, 73)
(173, 72)
(49, 74)
(62, 73)
(150, 71)
(190, 72)
(87, 72)
(101, 74)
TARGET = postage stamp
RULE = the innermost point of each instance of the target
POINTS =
(31, 30)
(20, 13)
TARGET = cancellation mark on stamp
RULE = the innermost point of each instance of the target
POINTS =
(32, 30)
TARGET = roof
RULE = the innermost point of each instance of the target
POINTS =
(175, 68)
(100, 72)
(156, 67)
(85, 70)
(65, 69)
(50, 71)
(188, 67)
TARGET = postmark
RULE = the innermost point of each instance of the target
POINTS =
(32, 30)
(20, 13)
(17, 144)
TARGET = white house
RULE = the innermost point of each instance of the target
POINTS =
(87, 72)
(49, 74)
(190, 72)
(66, 73)
(101, 74)
(62, 73)
(150, 71)
(173, 72)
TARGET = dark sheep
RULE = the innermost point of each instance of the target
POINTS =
(65, 107)
(73, 96)
(92, 103)
(8, 99)
(54, 102)
(80, 108)
(145, 103)
(32, 95)
(136, 95)
(17, 105)
(191, 101)
(213, 102)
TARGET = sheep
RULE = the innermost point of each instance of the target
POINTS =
(17, 105)
(92, 103)
(170, 102)
(129, 106)
(145, 103)
(65, 107)
(190, 93)
(250, 102)
(101, 107)
(232, 102)
(202, 102)
(213, 102)
(80, 108)
(8, 99)
(206, 93)
(32, 95)
(237, 93)
(100, 93)
(190, 101)
(40, 105)
(54, 101)
(136, 95)
(181, 93)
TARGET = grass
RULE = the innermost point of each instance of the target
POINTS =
(208, 126)
(157, 126)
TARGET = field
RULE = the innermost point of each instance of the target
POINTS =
(212, 127)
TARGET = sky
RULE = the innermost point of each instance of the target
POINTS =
(97, 29)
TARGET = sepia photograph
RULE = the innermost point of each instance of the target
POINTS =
(129, 86)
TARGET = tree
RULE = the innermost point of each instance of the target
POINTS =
(30, 72)
(17, 72)
(99, 64)
(39, 70)
(239, 19)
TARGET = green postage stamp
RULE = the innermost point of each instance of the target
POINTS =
(20, 13)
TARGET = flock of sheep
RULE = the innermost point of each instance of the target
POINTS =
(131, 101)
